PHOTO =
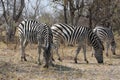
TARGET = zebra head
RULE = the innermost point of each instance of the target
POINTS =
(97, 45)
(99, 51)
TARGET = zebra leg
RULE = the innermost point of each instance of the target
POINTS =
(39, 52)
(58, 54)
(92, 51)
(46, 59)
(51, 59)
(23, 44)
(52, 51)
(113, 47)
(47, 56)
(77, 52)
(84, 51)
(52, 54)
(56, 47)
(107, 47)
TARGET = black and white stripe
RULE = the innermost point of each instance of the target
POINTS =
(78, 35)
(106, 36)
(30, 31)
(61, 34)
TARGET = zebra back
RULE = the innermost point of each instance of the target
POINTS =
(105, 34)
(62, 32)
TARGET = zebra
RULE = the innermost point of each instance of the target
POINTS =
(106, 36)
(31, 31)
(77, 35)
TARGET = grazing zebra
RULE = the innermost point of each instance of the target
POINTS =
(30, 31)
(106, 36)
(77, 35)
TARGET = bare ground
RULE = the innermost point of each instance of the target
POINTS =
(11, 68)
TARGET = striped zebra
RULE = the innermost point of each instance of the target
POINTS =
(77, 35)
(106, 36)
(30, 31)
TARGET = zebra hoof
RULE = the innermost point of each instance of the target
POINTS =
(101, 62)
(60, 59)
(45, 66)
(75, 61)
(106, 55)
(114, 53)
(23, 59)
(92, 55)
(87, 62)
(53, 59)
(39, 63)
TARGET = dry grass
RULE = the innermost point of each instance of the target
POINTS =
(11, 68)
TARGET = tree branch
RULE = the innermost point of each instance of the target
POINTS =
(14, 10)
(20, 10)
(4, 12)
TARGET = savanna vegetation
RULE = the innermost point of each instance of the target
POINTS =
(75, 12)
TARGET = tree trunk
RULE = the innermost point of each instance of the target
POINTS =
(11, 21)
(71, 11)
(90, 18)
(65, 14)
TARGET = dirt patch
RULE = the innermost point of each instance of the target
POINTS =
(11, 68)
